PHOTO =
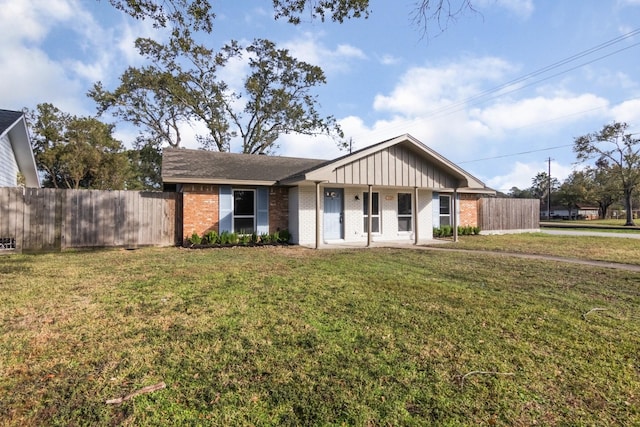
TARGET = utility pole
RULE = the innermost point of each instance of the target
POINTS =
(549, 191)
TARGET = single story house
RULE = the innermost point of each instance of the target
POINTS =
(396, 190)
(579, 211)
(16, 155)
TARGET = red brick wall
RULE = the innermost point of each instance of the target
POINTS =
(469, 210)
(278, 209)
(200, 209)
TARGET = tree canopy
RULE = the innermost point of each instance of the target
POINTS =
(182, 85)
(619, 152)
(199, 14)
(81, 152)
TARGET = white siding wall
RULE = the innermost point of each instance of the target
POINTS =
(8, 164)
(302, 215)
(425, 215)
(353, 222)
(294, 224)
(354, 219)
(306, 205)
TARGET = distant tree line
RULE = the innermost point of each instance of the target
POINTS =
(613, 178)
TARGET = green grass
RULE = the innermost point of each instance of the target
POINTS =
(288, 336)
(610, 249)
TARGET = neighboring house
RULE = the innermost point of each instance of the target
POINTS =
(407, 187)
(579, 211)
(16, 154)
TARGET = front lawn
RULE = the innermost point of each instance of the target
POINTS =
(609, 249)
(290, 336)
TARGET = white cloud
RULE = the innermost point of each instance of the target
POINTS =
(429, 91)
(308, 48)
(32, 20)
(520, 175)
(521, 8)
(511, 115)
(389, 59)
(628, 111)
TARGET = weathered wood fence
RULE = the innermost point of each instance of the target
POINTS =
(43, 220)
(502, 214)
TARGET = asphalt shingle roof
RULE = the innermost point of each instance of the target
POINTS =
(180, 164)
(7, 118)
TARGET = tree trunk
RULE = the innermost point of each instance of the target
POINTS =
(628, 206)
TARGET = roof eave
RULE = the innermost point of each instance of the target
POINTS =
(21, 145)
(217, 181)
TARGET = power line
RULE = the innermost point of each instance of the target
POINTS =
(498, 91)
(516, 154)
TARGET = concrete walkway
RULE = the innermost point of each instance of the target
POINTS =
(593, 263)
(444, 245)
(576, 232)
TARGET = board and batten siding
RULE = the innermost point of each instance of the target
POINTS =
(43, 220)
(395, 166)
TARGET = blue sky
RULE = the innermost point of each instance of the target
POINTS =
(383, 78)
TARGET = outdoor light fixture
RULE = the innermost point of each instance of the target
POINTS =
(357, 197)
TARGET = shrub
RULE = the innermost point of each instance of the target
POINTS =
(245, 239)
(265, 238)
(195, 239)
(284, 236)
(211, 238)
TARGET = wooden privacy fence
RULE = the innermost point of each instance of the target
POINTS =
(502, 214)
(41, 220)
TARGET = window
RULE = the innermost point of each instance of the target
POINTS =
(244, 212)
(375, 212)
(445, 210)
(404, 212)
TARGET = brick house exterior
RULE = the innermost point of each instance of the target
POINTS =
(396, 190)
(469, 209)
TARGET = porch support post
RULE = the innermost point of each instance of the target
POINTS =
(318, 216)
(455, 214)
(415, 217)
(369, 217)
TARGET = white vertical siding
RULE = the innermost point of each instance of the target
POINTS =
(8, 164)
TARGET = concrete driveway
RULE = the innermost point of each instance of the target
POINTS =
(576, 232)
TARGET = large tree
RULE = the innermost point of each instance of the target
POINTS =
(182, 85)
(77, 152)
(199, 14)
(619, 152)
(577, 188)
(605, 190)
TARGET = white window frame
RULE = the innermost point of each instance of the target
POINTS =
(405, 216)
(233, 210)
(365, 217)
(446, 215)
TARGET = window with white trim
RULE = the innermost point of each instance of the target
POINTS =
(375, 212)
(445, 210)
(244, 211)
(405, 216)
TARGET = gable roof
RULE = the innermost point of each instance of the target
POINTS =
(397, 162)
(180, 165)
(408, 161)
(14, 125)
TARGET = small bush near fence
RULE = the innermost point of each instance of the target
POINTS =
(447, 231)
(226, 238)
